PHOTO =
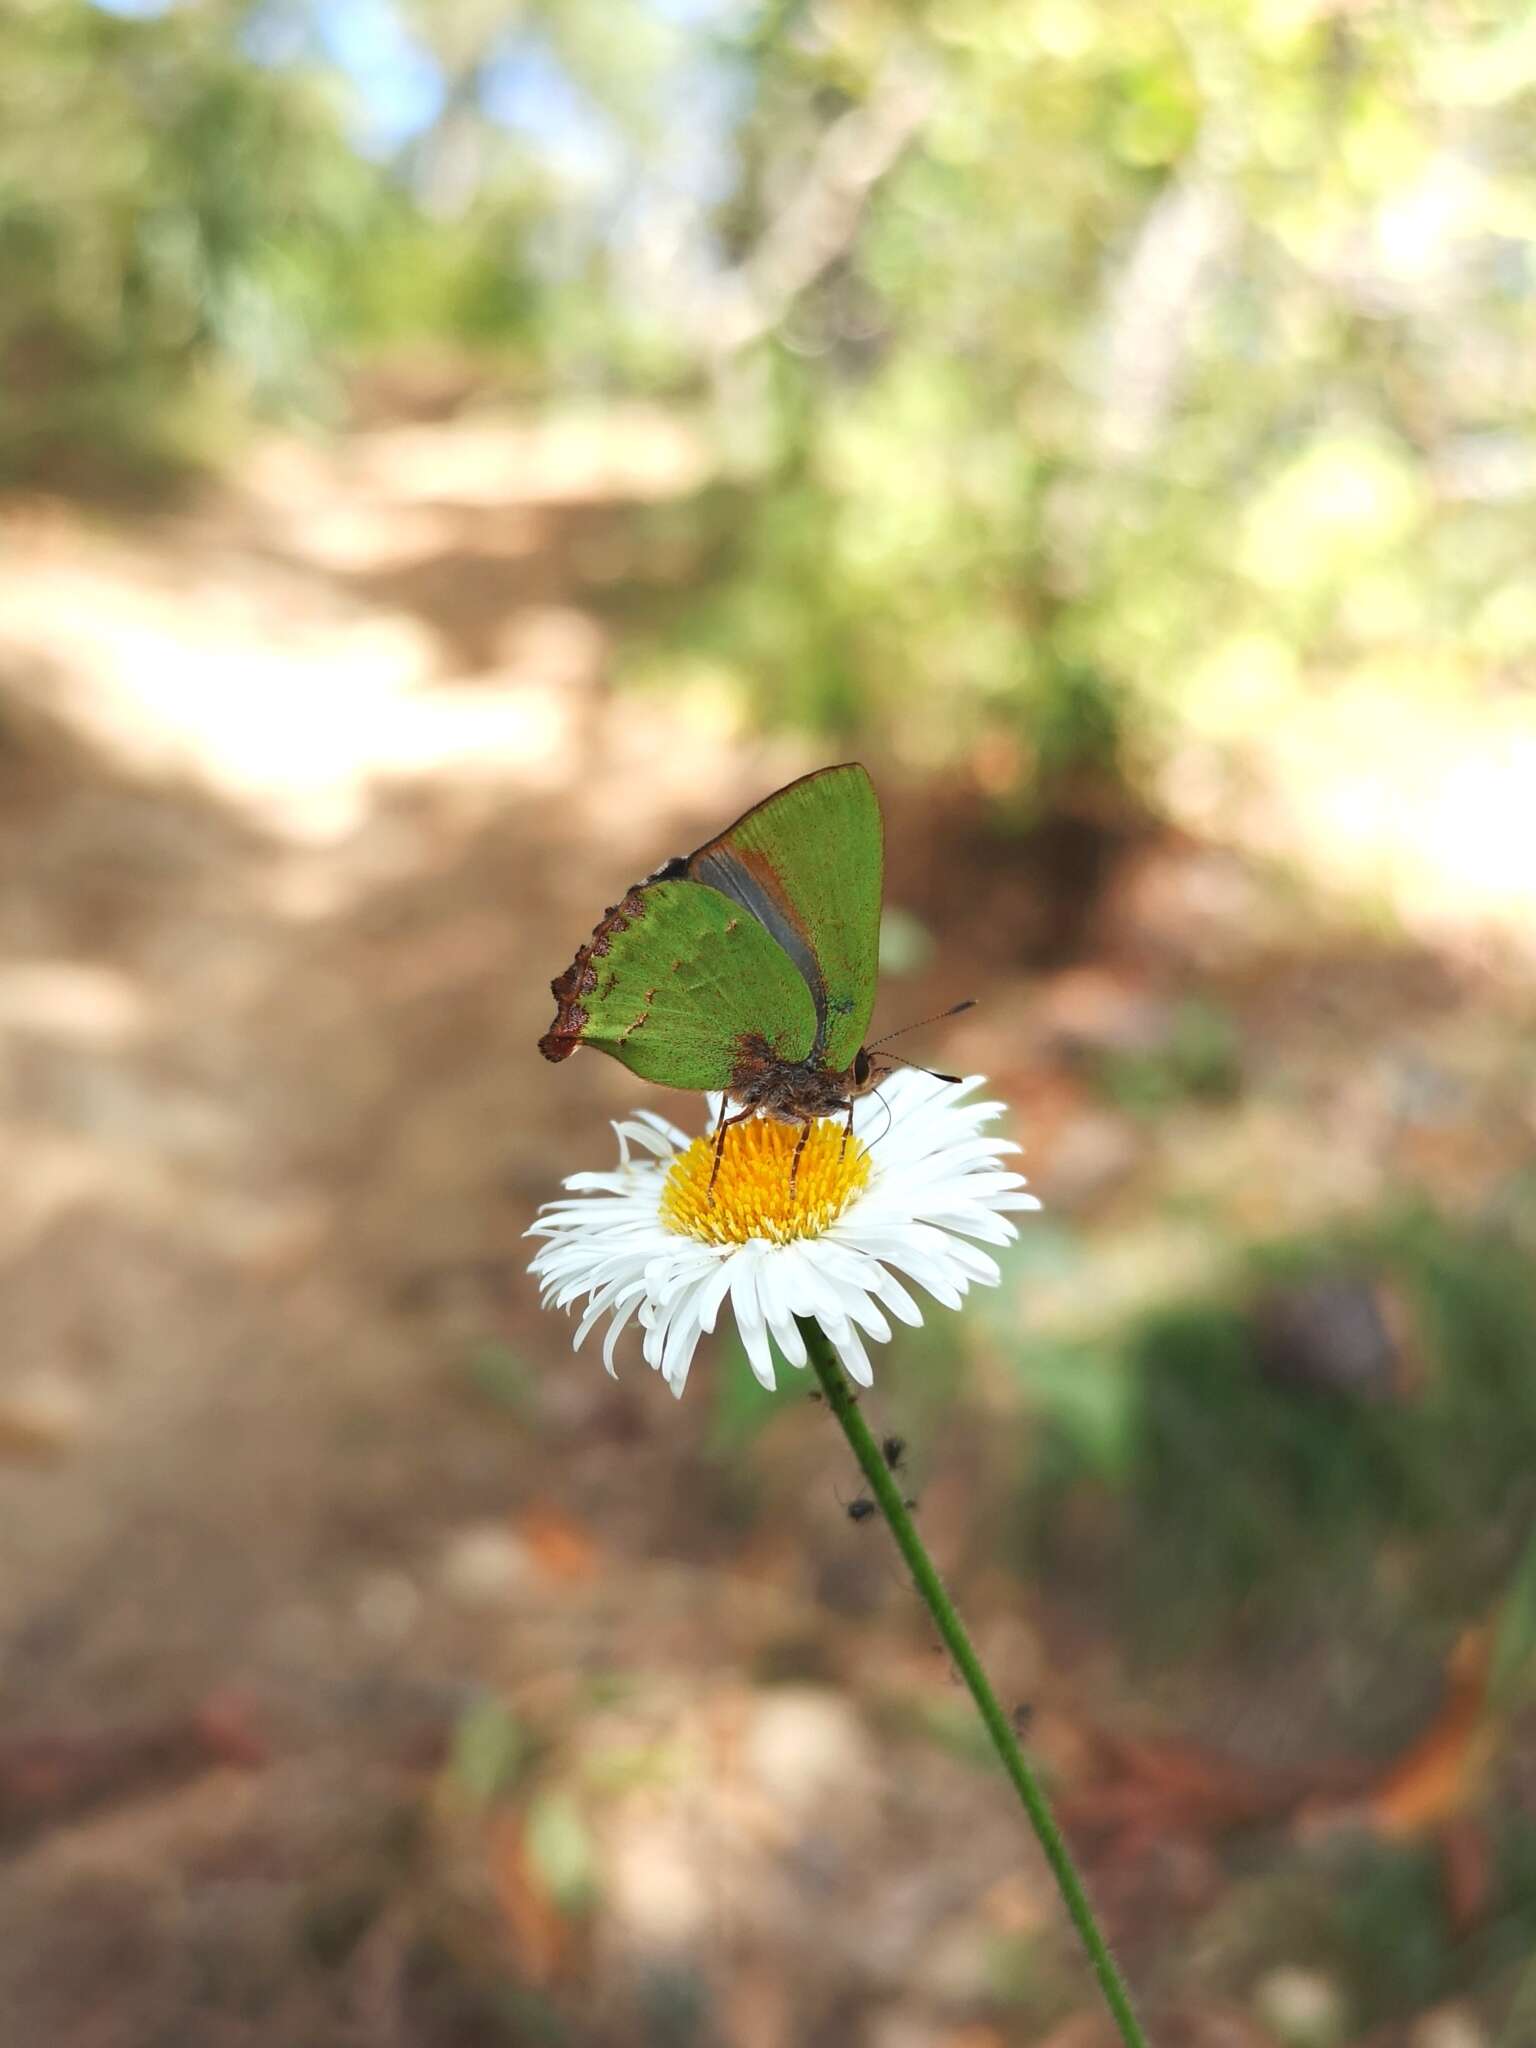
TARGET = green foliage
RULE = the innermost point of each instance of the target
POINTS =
(490, 1750)
(1372, 1915)
(1377, 1911)
(1169, 365)
(1235, 1492)
(1134, 396)
(163, 204)
(1201, 1060)
(1380, 1918)
(210, 242)
(560, 1848)
(417, 280)
(1085, 1389)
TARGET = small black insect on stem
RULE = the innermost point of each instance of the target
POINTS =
(894, 1450)
(861, 1509)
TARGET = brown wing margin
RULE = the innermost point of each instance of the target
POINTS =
(580, 978)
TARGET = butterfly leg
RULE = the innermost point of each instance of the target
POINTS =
(794, 1164)
(847, 1130)
(722, 1125)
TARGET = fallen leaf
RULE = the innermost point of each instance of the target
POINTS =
(560, 1547)
(51, 1777)
(534, 1923)
(1435, 1777)
(1144, 1791)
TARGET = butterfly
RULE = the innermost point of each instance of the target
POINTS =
(748, 966)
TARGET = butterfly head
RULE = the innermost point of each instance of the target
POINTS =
(870, 1063)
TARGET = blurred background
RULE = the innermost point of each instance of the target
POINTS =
(456, 453)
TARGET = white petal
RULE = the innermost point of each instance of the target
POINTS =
(682, 1341)
(845, 1341)
(650, 1134)
(676, 1140)
(712, 1292)
(979, 1266)
(862, 1310)
(968, 1220)
(793, 1287)
(839, 1289)
(904, 1250)
(750, 1320)
(656, 1322)
(777, 1294)
(786, 1334)
(597, 1307)
(884, 1286)
(621, 1316)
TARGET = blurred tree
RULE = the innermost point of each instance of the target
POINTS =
(1142, 364)
(1092, 379)
(248, 203)
(164, 203)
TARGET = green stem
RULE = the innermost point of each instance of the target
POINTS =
(930, 1586)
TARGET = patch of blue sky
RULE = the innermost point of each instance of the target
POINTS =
(704, 13)
(528, 91)
(397, 88)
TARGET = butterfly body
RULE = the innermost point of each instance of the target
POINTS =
(792, 1090)
(746, 967)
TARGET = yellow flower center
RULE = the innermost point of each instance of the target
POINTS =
(752, 1194)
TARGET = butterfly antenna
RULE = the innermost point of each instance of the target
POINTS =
(956, 1079)
(937, 1018)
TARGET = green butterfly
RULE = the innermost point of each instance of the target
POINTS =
(748, 966)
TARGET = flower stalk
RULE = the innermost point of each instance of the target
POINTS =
(843, 1404)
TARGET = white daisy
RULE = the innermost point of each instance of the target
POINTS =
(914, 1183)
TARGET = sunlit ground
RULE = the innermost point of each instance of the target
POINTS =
(428, 602)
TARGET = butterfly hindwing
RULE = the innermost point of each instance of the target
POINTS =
(808, 865)
(673, 979)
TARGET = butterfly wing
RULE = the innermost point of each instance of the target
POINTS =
(808, 864)
(672, 980)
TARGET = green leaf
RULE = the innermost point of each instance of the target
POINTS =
(559, 1846)
(489, 1750)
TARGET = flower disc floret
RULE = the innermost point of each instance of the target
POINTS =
(759, 1192)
